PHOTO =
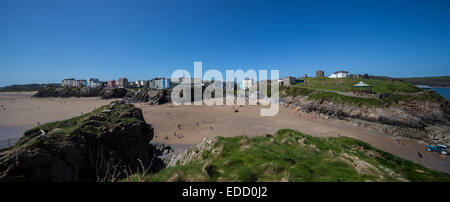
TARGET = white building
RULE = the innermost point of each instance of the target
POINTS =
(94, 83)
(141, 83)
(339, 74)
(247, 84)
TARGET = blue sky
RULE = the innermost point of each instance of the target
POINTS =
(45, 41)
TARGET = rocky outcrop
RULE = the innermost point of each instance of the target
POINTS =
(157, 97)
(140, 96)
(109, 93)
(150, 96)
(98, 146)
(428, 121)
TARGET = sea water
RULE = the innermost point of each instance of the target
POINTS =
(445, 92)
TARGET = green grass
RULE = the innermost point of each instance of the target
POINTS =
(443, 78)
(345, 85)
(319, 89)
(342, 99)
(292, 156)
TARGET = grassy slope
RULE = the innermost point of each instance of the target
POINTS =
(293, 156)
(317, 88)
(345, 85)
(447, 78)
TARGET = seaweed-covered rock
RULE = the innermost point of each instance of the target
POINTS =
(97, 146)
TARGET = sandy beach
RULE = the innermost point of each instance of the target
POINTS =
(198, 122)
(20, 111)
(190, 124)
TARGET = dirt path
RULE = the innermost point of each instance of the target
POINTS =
(190, 124)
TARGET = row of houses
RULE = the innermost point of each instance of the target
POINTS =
(73, 83)
(163, 83)
(94, 83)
(156, 83)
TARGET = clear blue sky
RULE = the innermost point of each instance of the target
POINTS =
(46, 41)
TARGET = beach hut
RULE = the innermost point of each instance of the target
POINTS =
(362, 88)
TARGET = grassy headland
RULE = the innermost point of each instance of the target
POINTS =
(431, 81)
(339, 91)
(292, 156)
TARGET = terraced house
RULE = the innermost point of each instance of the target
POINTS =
(122, 83)
(68, 83)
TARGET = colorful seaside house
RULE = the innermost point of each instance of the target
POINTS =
(161, 83)
(81, 83)
(111, 84)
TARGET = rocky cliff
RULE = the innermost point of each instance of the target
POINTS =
(109, 93)
(103, 145)
(151, 96)
(423, 120)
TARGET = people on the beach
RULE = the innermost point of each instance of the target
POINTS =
(419, 154)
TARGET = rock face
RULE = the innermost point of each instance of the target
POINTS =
(139, 96)
(106, 93)
(151, 96)
(157, 97)
(97, 146)
(427, 121)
